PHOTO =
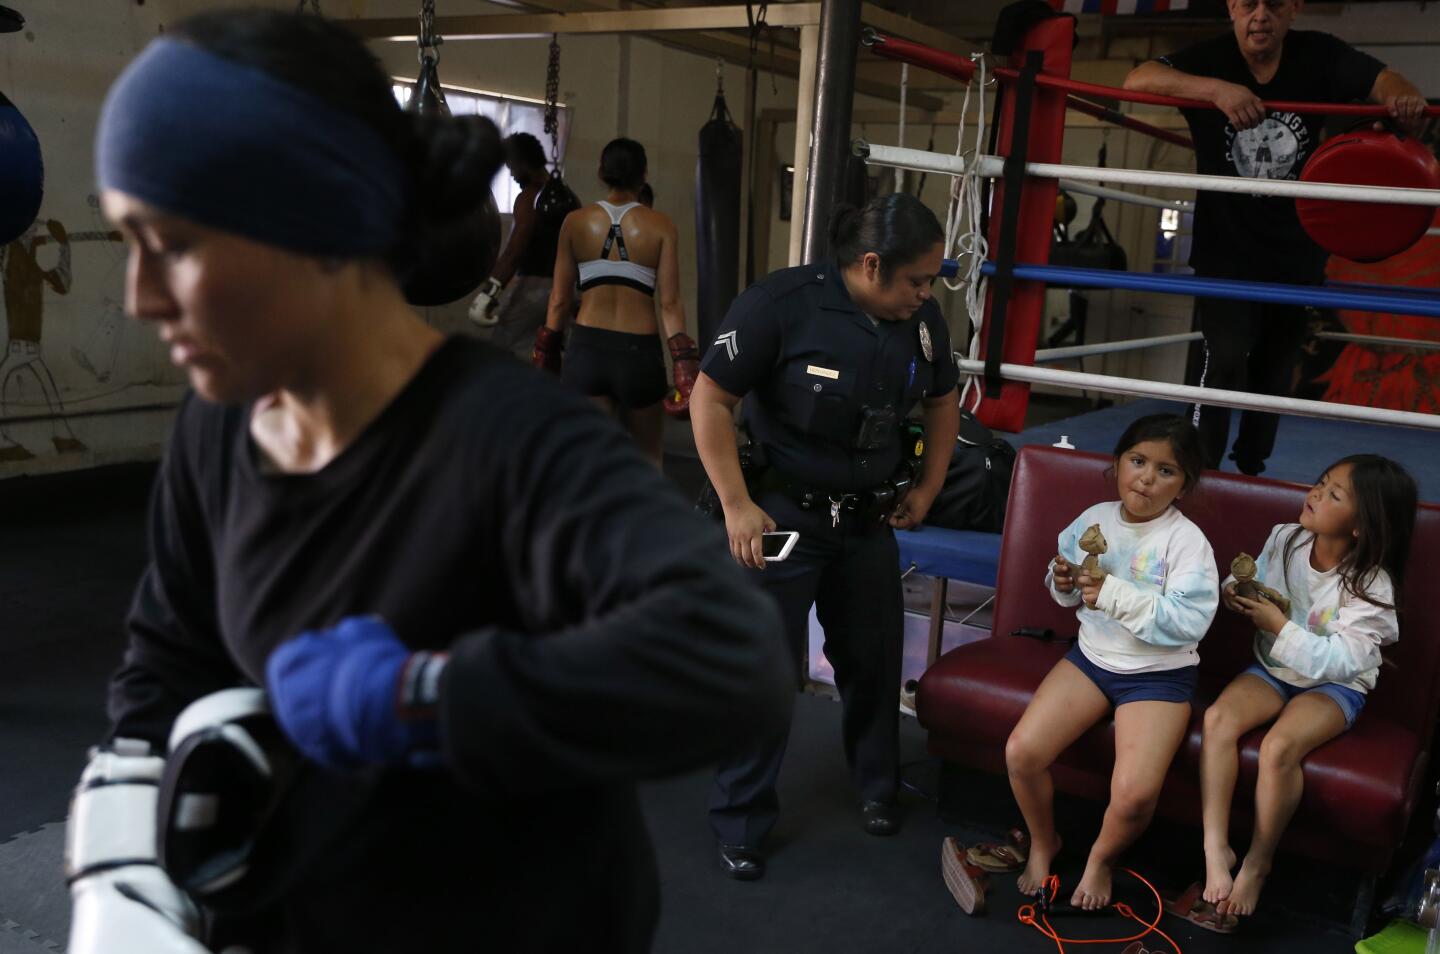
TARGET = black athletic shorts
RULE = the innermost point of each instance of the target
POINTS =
(627, 368)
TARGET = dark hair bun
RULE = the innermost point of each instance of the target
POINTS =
(458, 157)
(843, 220)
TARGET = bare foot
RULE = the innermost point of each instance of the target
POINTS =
(1037, 866)
(1219, 862)
(1093, 891)
(1246, 892)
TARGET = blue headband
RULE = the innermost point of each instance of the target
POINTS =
(233, 148)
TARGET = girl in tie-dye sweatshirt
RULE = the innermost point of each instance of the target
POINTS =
(1340, 568)
(1139, 626)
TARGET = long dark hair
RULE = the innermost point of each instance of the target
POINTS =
(1386, 499)
(897, 227)
(1176, 431)
(451, 161)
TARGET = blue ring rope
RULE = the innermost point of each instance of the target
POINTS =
(1390, 300)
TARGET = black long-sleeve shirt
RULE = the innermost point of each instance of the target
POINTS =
(598, 634)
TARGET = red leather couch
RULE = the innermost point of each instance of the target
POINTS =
(1360, 789)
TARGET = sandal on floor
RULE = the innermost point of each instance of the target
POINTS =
(1138, 948)
(1199, 912)
(966, 882)
(1011, 856)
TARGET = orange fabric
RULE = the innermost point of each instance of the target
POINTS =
(1394, 378)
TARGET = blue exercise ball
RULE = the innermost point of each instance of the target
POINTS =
(22, 173)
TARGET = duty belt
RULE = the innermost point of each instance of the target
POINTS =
(871, 505)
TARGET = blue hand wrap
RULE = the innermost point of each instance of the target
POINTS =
(355, 694)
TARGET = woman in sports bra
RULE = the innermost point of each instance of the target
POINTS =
(623, 257)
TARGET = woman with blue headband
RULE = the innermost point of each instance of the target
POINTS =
(416, 617)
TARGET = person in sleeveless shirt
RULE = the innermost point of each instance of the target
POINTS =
(624, 258)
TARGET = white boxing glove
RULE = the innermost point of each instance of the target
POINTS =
(483, 308)
(122, 901)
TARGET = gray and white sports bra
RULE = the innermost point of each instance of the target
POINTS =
(621, 271)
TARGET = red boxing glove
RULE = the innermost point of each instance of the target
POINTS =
(548, 345)
(685, 358)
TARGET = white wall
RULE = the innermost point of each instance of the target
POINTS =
(56, 72)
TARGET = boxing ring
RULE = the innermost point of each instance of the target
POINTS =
(1005, 289)
(1003, 200)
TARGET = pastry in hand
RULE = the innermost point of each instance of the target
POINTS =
(1247, 587)
(1093, 543)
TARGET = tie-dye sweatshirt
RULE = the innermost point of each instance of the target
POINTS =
(1332, 635)
(1159, 596)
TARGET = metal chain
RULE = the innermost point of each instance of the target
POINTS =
(758, 26)
(429, 40)
(552, 100)
(314, 7)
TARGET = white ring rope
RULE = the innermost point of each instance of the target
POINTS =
(1048, 355)
(993, 167)
(1380, 341)
(963, 236)
(1188, 394)
(1120, 195)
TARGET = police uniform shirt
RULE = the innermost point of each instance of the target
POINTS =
(483, 507)
(808, 363)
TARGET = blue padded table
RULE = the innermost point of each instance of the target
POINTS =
(967, 555)
(944, 555)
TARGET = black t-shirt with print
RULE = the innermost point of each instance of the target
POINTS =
(1259, 237)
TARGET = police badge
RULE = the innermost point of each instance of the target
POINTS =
(926, 347)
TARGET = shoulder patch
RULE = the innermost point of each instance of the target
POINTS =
(730, 341)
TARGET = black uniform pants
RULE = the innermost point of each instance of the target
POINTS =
(851, 574)
(1252, 347)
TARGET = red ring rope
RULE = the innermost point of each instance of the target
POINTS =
(962, 68)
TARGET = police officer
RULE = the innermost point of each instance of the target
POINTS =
(829, 359)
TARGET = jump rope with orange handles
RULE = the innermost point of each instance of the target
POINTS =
(1035, 915)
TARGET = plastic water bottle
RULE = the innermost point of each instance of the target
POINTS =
(1064, 442)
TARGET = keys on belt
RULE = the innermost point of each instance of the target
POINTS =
(874, 503)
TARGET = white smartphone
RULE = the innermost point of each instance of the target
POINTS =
(778, 544)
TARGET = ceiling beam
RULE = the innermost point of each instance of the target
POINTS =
(698, 30)
(786, 62)
(646, 20)
(896, 25)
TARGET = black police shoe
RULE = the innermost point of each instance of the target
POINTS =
(880, 818)
(742, 864)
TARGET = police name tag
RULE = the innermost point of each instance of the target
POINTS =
(820, 372)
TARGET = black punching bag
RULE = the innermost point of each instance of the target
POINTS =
(555, 201)
(22, 173)
(717, 219)
(454, 254)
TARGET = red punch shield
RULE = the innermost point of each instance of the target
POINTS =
(1368, 231)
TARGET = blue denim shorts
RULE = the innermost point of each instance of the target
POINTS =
(1349, 701)
(1167, 685)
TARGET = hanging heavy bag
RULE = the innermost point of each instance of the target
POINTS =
(1091, 247)
(453, 255)
(555, 201)
(717, 219)
(21, 171)
(977, 483)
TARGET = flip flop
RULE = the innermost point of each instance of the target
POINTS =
(1012, 856)
(1137, 948)
(1199, 912)
(966, 882)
